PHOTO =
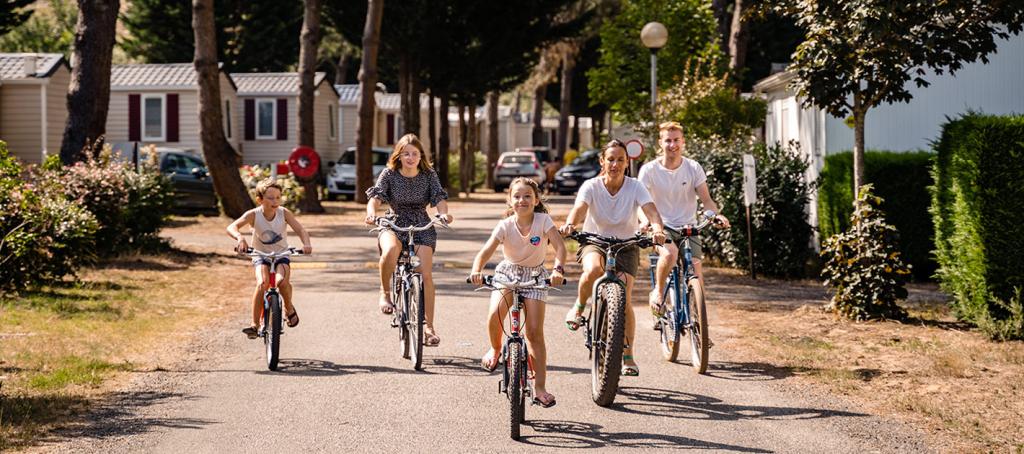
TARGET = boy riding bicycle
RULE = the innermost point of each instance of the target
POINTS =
(269, 234)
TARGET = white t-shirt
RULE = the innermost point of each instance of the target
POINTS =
(523, 250)
(674, 191)
(610, 215)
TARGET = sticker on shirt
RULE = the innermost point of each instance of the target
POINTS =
(534, 240)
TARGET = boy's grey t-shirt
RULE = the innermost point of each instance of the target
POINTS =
(674, 191)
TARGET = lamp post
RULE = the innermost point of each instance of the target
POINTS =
(654, 35)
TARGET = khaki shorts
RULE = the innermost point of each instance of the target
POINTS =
(696, 244)
(626, 261)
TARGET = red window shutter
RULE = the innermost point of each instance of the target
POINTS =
(390, 140)
(250, 119)
(172, 117)
(282, 119)
(134, 118)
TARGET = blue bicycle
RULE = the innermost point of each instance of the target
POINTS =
(686, 311)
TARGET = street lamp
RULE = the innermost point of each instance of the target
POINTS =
(654, 35)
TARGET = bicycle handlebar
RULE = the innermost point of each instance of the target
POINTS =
(273, 255)
(490, 282)
(639, 239)
(387, 222)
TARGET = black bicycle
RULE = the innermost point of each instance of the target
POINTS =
(517, 369)
(605, 323)
(686, 312)
(407, 289)
(272, 312)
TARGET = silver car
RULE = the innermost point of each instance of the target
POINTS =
(512, 164)
(341, 179)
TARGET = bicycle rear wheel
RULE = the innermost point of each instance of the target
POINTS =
(272, 329)
(669, 330)
(416, 322)
(609, 328)
(515, 366)
(699, 341)
(402, 318)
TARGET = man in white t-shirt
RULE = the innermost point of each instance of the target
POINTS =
(675, 183)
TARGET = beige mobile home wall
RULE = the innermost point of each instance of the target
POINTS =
(20, 120)
(266, 151)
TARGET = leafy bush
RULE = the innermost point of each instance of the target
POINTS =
(781, 234)
(706, 103)
(292, 191)
(479, 174)
(863, 265)
(43, 236)
(130, 205)
(901, 180)
(978, 214)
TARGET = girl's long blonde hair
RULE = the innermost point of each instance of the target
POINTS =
(540, 208)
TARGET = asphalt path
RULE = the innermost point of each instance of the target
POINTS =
(343, 387)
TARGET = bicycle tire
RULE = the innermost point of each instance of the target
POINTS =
(402, 319)
(416, 322)
(699, 339)
(669, 333)
(609, 327)
(272, 338)
(515, 388)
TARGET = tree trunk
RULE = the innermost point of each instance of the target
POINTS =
(221, 159)
(565, 105)
(492, 136)
(538, 114)
(738, 37)
(859, 112)
(444, 142)
(367, 84)
(432, 129)
(89, 91)
(574, 138)
(463, 146)
(309, 42)
(404, 72)
(515, 104)
(722, 18)
(341, 68)
(412, 123)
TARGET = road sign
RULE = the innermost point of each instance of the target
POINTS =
(634, 149)
(749, 180)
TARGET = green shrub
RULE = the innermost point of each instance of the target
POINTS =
(978, 214)
(781, 234)
(43, 236)
(901, 180)
(863, 265)
(479, 174)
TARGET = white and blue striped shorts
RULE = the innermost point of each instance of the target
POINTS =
(517, 273)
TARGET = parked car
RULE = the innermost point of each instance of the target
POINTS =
(512, 164)
(193, 186)
(543, 154)
(569, 178)
(341, 179)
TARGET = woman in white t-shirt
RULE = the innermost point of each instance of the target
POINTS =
(609, 203)
(524, 236)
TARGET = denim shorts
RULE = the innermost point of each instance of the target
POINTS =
(257, 261)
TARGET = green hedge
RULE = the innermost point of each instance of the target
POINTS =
(901, 179)
(978, 215)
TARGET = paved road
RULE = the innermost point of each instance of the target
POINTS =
(343, 386)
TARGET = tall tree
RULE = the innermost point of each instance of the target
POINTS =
(310, 40)
(89, 91)
(367, 86)
(739, 35)
(861, 53)
(13, 13)
(492, 135)
(221, 158)
(50, 30)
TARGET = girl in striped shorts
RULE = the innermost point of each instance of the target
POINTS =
(524, 236)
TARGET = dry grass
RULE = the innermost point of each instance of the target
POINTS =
(65, 345)
(966, 390)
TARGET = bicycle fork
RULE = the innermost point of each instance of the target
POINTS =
(272, 291)
(506, 377)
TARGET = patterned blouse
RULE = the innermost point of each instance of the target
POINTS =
(409, 198)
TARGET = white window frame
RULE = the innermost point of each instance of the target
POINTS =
(227, 117)
(273, 123)
(333, 129)
(341, 124)
(163, 117)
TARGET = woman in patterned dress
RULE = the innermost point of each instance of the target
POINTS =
(408, 184)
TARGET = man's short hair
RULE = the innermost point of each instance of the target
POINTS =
(670, 126)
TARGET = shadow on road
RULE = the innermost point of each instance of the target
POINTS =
(576, 435)
(676, 404)
(119, 415)
(748, 371)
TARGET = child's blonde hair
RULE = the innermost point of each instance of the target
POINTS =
(539, 208)
(261, 187)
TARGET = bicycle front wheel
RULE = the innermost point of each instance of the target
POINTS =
(416, 322)
(669, 329)
(515, 366)
(699, 341)
(609, 328)
(272, 327)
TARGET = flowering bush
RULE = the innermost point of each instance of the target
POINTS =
(292, 190)
(43, 235)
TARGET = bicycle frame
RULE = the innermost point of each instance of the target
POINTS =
(683, 268)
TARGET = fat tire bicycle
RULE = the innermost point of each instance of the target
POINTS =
(605, 323)
(407, 290)
(517, 368)
(271, 329)
(687, 311)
